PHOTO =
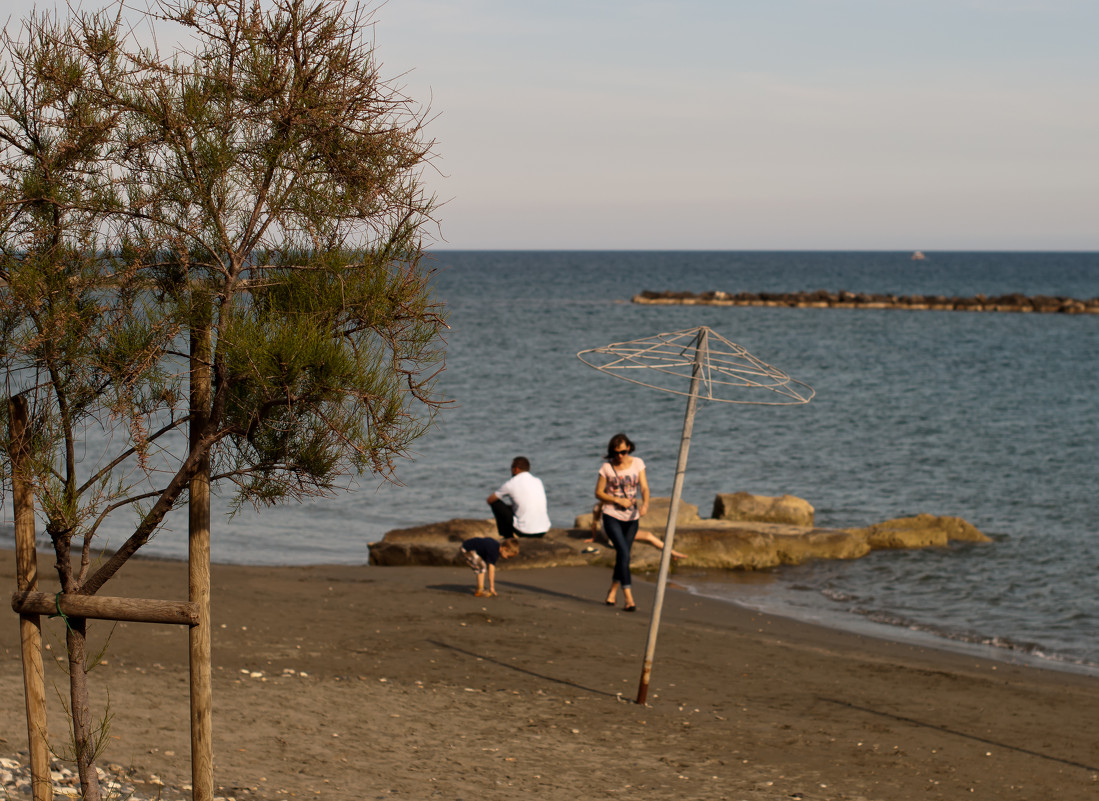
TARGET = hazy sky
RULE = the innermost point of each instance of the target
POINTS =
(802, 124)
(773, 124)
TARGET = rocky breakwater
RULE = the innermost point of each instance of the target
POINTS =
(744, 531)
(823, 299)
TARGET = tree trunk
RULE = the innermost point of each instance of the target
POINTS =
(84, 742)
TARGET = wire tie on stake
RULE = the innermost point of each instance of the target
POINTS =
(60, 614)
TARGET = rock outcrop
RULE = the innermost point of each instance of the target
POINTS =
(763, 508)
(782, 534)
(921, 531)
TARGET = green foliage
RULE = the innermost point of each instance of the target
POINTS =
(261, 191)
(330, 372)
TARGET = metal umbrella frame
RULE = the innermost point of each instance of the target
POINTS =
(717, 369)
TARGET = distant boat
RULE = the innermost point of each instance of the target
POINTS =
(918, 256)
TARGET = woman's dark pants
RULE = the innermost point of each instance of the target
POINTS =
(621, 535)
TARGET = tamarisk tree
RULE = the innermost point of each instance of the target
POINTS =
(212, 264)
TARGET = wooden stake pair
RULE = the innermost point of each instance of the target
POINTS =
(31, 605)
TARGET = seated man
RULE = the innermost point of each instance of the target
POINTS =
(520, 504)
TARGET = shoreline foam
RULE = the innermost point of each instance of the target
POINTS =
(1033, 655)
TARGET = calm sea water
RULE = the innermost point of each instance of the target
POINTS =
(992, 417)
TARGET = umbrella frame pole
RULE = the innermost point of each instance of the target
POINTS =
(673, 515)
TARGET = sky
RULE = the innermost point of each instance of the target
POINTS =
(773, 124)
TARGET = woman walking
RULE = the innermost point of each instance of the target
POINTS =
(623, 490)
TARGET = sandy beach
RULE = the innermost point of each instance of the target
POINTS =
(355, 682)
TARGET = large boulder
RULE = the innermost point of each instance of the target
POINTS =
(763, 508)
(457, 531)
(919, 531)
(435, 544)
(656, 519)
(725, 548)
(745, 545)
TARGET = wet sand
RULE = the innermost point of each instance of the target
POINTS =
(354, 682)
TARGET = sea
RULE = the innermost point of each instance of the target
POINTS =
(992, 417)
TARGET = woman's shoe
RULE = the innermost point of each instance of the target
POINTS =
(609, 603)
(630, 608)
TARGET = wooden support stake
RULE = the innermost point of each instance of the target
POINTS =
(137, 610)
(198, 576)
(30, 624)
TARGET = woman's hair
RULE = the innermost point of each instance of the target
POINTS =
(616, 441)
